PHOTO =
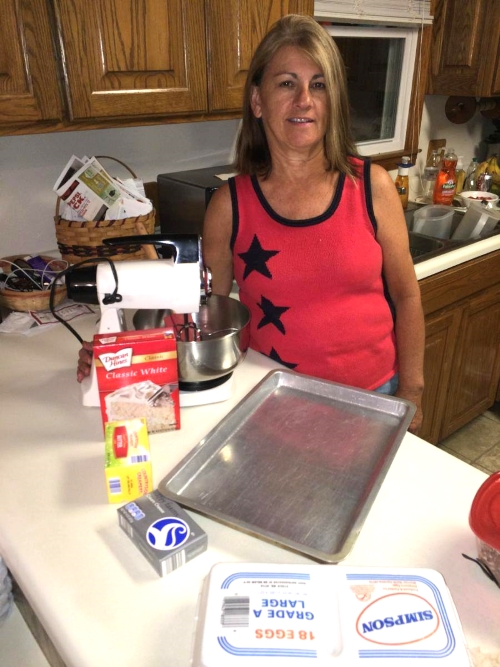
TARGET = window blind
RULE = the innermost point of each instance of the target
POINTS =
(387, 12)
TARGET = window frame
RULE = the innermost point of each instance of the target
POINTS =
(410, 37)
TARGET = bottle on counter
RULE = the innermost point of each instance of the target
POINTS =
(470, 176)
(430, 173)
(402, 180)
(460, 174)
(446, 180)
(484, 182)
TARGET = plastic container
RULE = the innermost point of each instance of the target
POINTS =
(320, 615)
(484, 520)
(433, 220)
(478, 221)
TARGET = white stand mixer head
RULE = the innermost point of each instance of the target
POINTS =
(178, 284)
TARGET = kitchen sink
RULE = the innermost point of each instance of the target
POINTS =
(424, 247)
(421, 245)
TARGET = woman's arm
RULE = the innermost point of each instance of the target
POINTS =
(403, 288)
(216, 240)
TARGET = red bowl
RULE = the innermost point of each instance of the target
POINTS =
(484, 518)
(484, 521)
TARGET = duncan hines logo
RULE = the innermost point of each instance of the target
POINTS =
(398, 619)
(113, 360)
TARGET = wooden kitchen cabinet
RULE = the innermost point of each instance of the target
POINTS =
(124, 62)
(465, 49)
(462, 362)
(441, 333)
(29, 90)
(234, 32)
(124, 58)
(476, 371)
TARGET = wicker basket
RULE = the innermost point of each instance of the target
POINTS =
(83, 240)
(36, 300)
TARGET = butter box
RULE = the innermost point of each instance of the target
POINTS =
(163, 532)
(137, 377)
(128, 467)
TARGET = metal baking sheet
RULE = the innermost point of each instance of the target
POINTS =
(298, 462)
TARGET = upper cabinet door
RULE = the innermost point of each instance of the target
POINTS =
(127, 58)
(465, 48)
(28, 74)
(234, 31)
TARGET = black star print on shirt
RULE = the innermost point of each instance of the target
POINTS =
(276, 357)
(256, 259)
(272, 314)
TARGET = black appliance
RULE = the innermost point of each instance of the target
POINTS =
(183, 197)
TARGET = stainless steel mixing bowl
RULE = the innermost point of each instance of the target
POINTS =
(224, 326)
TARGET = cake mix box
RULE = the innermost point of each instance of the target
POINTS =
(270, 615)
(127, 467)
(137, 377)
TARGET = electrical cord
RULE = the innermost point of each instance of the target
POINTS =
(108, 299)
(28, 274)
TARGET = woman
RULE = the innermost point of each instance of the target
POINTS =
(314, 235)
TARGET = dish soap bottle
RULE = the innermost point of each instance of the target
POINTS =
(430, 173)
(402, 180)
(446, 180)
(460, 175)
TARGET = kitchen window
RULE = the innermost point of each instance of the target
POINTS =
(379, 64)
(379, 41)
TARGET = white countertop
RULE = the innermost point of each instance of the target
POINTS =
(96, 595)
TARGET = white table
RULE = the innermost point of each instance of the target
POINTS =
(96, 595)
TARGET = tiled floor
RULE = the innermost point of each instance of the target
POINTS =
(478, 443)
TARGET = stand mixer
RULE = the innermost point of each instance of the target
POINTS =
(176, 284)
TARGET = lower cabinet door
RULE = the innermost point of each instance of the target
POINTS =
(440, 341)
(476, 370)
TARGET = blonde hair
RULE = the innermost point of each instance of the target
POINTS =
(252, 154)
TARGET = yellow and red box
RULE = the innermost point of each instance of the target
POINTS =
(128, 467)
(137, 377)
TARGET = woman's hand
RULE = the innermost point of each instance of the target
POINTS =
(84, 361)
(416, 398)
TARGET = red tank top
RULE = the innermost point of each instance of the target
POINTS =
(315, 287)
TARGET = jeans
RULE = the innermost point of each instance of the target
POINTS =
(390, 386)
